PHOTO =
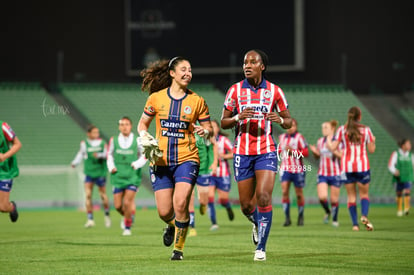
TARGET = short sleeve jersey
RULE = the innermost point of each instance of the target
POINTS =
(328, 162)
(174, 124)
(354, 157)
(254, 135)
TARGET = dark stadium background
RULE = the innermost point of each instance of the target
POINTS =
(375, 36)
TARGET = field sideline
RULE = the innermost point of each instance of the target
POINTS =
(55, 242)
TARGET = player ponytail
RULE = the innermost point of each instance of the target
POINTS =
(334, 123)
(354, 115)
(157, 76)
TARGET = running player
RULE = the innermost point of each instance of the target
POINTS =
(9, 146)
(401, 165)
(93, 152)
(175, 109)
(220, 179)
(249, 106)
(292, 149)
(356, 139)
(208, 163)
(329, 173)
(124, 161)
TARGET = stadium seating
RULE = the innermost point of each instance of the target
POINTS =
(51, 138)
(408, 115)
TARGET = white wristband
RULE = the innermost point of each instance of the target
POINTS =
(142, 133)
(282, 120)
(236, 118)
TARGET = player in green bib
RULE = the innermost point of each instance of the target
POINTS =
(207, 152)
(401, 166)
(93, 152)
(9, 146)
(125, 159)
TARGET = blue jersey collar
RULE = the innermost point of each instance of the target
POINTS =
(246, 84)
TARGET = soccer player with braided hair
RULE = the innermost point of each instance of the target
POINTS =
(251, 106)
(357, 139)
(175, 109)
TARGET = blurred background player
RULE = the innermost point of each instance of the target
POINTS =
(220, 179)
(175, 109)
(401, 165)
(249, 106)
(356, 139)
(207, 153)
(93, 151)
(9, 146)
(329, 173)
(124, 161)
(292, 149)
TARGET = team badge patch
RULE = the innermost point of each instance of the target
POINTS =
(267, 94)
(187, 110)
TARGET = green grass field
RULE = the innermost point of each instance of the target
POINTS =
(55, 242)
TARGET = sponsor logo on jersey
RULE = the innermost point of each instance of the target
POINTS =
(256, 108)
(166, 133)
(174, 124)
(124, 152)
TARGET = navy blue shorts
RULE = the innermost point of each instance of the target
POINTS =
(245, 165)
(330, 180)
(99, 181)
(400, 186)
(6, 185)
(222, 183)
(164, 177)
(362, 177)
(131, 187)
(298, 179)
(203, 180)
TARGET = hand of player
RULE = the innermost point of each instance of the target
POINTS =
(246, 113)
(2, 157)
(273, 117)
(313, 148)
(397, 173)
(199, 130)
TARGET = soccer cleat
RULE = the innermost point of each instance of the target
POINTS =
(214, 227)
(355, 228)
(168, 236)
(259, 255)
(14, 215)
(367, 223)
(177, 256)
(326, 218)
(300, 221)
(192, 232)
(255, 237)
(107, 220)
(335, 224)
(203, 209)
(399, 214)
(127, 232)
(89, 224)
(230, 213)
(287, 222)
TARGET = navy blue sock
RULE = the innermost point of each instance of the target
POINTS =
(265, 222)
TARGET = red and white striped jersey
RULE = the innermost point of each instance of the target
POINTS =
(292, 159)
(224, 147)
(328, 163)
(354, 157)
(254, 135)
(7, 131)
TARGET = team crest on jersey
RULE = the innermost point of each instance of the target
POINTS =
(267, 94)
(187, 110)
